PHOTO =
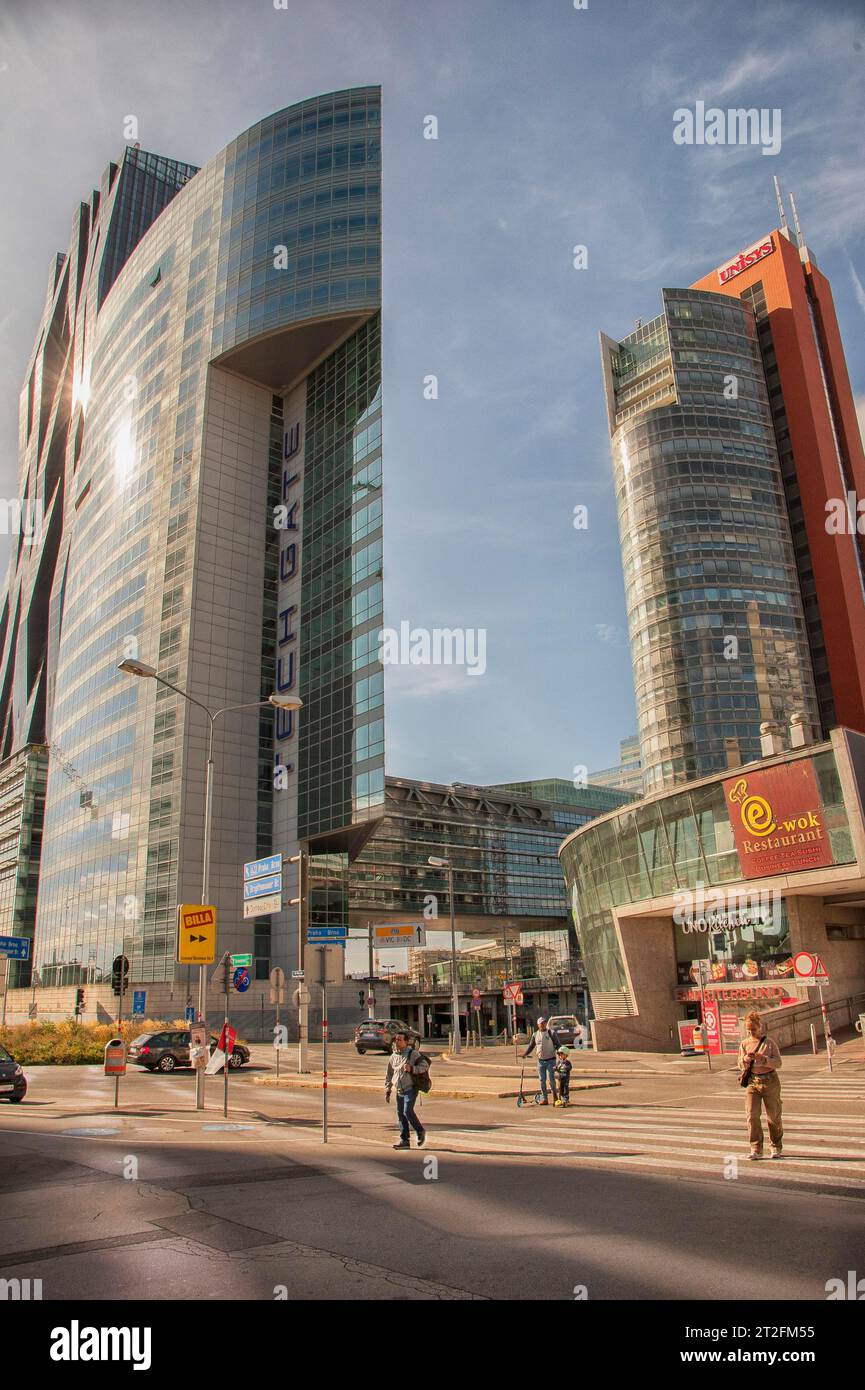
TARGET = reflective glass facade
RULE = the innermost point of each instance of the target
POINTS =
(22, 808)
(342, 679)
(502, 847)
(184, 324)
(717, 631)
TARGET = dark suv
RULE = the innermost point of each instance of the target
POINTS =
(168, 1050)
(13, 1082)
(377, 1035)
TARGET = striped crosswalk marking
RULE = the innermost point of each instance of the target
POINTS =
(828, 1151)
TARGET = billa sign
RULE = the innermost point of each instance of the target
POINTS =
(777, 820)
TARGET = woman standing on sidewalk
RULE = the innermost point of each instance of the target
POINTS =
(759, 1063)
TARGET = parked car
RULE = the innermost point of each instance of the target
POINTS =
(568, 1028)
(377, 1035)
(13, 1082)
(169, 1050)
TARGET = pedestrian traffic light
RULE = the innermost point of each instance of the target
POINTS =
(79, 1001)
(120, 975)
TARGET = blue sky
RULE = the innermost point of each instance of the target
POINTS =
(555, 129)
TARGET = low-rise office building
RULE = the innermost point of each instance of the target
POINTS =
(509, 898)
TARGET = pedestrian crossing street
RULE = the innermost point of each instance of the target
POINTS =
(826, 1151)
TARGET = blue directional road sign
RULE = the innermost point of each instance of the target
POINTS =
(241, 979)
(263, 887)
(138, 1000)
(323, 936)
(189, 1013)
(260, 868)
(15, 947)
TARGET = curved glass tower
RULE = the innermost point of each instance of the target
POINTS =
(718, 638)
(202, 422)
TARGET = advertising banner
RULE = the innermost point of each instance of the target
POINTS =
(712, 1027)
(777, 820)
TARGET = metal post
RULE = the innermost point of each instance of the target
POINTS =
(205, 889)
(303, 1007)
(826, 1033)
(324, 1030)
(370, 992)
(703, 1011)
(455, 996)
(120, 1015)
(814, 1040)
(278, 1048)
(225, 1040)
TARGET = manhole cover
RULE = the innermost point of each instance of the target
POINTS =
(87, 1133)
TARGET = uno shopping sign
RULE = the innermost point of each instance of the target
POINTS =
(723, 909)
(745, 260)
(777, 820)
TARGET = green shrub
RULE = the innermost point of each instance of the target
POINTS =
(72, 1044)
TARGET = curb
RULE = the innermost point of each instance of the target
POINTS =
(299, 1083)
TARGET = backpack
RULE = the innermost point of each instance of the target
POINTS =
(422, 1079)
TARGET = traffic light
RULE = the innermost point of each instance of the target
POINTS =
(120, 975)
(79, 1001)
(360, 997)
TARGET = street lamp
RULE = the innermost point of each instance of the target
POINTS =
(132, 667)
(438, 863)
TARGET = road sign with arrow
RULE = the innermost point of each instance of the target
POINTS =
(196, 934)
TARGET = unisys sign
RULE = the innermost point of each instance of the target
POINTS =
(745, 259)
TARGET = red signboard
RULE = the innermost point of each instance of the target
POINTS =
(711, 1027)
(777, 819)
(742, 994)
(745, 259)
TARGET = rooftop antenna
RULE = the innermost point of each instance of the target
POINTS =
(780, 201)
(799, 241)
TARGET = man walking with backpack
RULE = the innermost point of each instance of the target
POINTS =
(545, 1043)
(408, 1070)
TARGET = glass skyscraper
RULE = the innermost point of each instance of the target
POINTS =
(717, 630)
(201, 423)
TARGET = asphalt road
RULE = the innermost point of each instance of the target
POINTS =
(635, 1192)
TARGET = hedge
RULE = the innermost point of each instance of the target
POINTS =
(70, 1043)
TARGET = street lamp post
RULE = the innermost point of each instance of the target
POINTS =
(455, 997)
(132, 667)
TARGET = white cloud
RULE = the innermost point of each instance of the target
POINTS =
(608, 632)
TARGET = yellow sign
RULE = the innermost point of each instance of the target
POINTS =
(196, 934)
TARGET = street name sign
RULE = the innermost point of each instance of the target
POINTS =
(262, 907)
(262, 868)
(262, 887)
(15, 947)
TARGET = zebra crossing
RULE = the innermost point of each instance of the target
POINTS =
(826, 1086)
(825, 1151)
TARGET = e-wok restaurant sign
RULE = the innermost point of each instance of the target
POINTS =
(777, 819)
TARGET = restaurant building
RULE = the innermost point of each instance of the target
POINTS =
(729, 876)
